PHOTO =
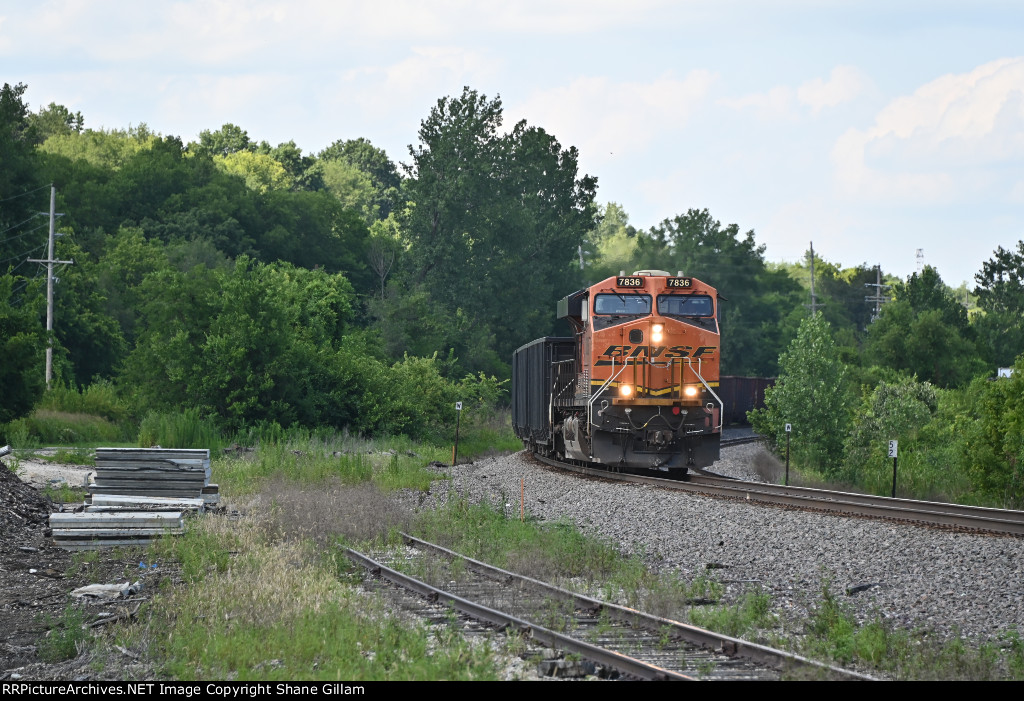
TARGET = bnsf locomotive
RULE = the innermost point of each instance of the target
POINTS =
(634, 388)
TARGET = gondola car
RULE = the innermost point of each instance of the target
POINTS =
(634, 387)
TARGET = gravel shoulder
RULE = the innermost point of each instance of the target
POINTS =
(925, 579)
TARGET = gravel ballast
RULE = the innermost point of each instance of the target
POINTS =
(927, 579)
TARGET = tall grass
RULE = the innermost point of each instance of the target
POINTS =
(66, 416)
(182, 429)
(98, 399)
(261, 608)
(49, 427)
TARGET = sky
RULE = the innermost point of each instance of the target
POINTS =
(885, 133)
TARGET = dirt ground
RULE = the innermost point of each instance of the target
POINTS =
(37, 578)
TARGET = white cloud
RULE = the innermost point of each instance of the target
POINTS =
(775, 104)
(844, 84)
(601, 116)
(947, 141)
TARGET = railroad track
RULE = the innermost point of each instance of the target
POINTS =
(613, 637)
(971, 518)
(727, 442)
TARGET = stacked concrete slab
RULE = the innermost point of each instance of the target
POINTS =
(89, 531)
(137, 495)
(154, 472)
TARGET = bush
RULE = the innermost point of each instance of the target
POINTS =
(992, 430)
(893, 411)
(98, 399)
(45, 426)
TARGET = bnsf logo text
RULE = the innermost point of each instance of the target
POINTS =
(658, 351)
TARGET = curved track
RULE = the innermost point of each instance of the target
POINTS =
(971, 518)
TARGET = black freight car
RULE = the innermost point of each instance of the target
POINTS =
(531, 385)
(740, 395)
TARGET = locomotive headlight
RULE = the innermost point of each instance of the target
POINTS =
(690, 391)
(625, 390)
(656, 334)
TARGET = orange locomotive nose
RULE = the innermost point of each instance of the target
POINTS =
(635, 385)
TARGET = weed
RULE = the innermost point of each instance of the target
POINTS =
(65, 637)
(74, 456)
(184, 429)
(63, 493)
(751, 613)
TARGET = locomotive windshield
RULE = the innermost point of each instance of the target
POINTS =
(685, 305)
(622, 305)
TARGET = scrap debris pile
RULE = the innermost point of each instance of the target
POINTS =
(22, 507)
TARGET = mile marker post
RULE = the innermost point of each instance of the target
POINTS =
(893, 445)
(458, 420)
(789, 430)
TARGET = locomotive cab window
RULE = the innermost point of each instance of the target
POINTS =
(685, 305)
(698, 310)
(622, 305)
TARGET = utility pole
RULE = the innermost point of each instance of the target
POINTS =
(49, 284)
(814, 298)
(878, 298)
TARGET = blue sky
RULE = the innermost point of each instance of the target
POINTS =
(872, 129)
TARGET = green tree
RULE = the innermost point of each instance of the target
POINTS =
(924, 332)
(229, 139)
(370, 173)
(490, 210)
(756, 317)
(55, 119)
(22, 346)
(992, 433)
(18, 177)
(257, 342)
(813, 395)
(611, 246)
(259, 170)
(892, 411)
(1000, 294)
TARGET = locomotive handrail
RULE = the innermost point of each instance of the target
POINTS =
(593, 398)
(721, 404)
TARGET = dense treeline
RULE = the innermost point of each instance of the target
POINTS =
(257, 285)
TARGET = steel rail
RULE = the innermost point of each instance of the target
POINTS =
(733, 647)
(940, 513)
(504, 620)
(999, 521)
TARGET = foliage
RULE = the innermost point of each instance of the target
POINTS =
(1000, 294)
(251, 343)
(812, 394)
(892, 411)
(755, 321)
(47, 427)
(750, 613)
(925, 332)
(259, 171)
(489, 209)
(184, 429)
(65, 636)
(992, 444)
(22, 347)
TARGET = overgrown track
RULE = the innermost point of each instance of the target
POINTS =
(969, 518)
(614, 637)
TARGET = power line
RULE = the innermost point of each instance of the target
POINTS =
(28, 252)
(20, 223)
(29, 192)
(26, 233)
